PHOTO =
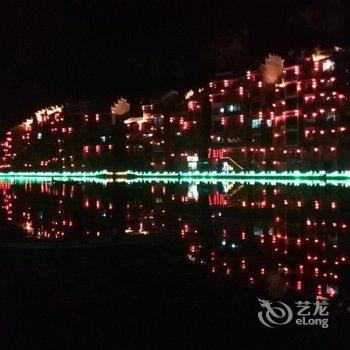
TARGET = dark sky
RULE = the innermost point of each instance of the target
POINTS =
(52, 52)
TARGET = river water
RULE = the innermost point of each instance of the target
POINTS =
(276, 241)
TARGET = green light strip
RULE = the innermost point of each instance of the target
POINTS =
(244, 181)
(41, 179)
(321, 175)
(55, 174)
(286, 175)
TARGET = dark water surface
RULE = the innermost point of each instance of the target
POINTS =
(181, 264)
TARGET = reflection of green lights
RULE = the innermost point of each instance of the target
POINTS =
(319, 178)
(295, 178)
(23, 179)
(244, 181)
(272, 182)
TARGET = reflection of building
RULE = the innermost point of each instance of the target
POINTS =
(295, 233)
(299, 232)
(291, 117)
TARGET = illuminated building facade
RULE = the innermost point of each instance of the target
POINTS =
(168, 135)
(70, 137)
(284, 116)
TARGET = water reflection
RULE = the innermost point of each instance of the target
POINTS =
(288, 238)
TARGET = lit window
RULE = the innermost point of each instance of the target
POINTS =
(256, 123)
(39, 135)
(328, 66)
(331, 116)
(234, 108)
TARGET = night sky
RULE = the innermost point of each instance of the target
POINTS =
(54, 52)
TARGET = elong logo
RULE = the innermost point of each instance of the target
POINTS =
(278, 313)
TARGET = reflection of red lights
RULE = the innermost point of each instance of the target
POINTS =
(305, 259)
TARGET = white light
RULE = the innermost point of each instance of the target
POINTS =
(328, 65)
